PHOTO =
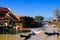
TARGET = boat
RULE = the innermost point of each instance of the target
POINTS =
(50, 34)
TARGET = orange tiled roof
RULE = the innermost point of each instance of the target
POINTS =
(17, 16)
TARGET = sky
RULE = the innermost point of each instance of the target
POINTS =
(32, 8)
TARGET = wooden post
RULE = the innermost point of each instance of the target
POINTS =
(21, 28)
(17, 28)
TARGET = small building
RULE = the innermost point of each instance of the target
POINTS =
(54, 21)
(7, 18)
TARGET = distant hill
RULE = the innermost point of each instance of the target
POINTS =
(48, 18)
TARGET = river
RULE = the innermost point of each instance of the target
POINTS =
(9, 37)
(40, 36)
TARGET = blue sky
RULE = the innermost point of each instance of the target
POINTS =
(32, 7)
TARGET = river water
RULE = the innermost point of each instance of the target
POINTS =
(9, 37)
(40, 36)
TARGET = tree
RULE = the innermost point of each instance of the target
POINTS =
(28, 22)
(57, 14)
(40, 18)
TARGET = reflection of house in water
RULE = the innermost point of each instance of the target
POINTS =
(6, 17)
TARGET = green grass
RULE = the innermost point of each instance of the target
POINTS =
(58, 25)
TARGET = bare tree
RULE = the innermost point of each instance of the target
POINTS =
(56, 14)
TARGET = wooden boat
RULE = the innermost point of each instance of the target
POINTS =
(50, 34)
(26, 36)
